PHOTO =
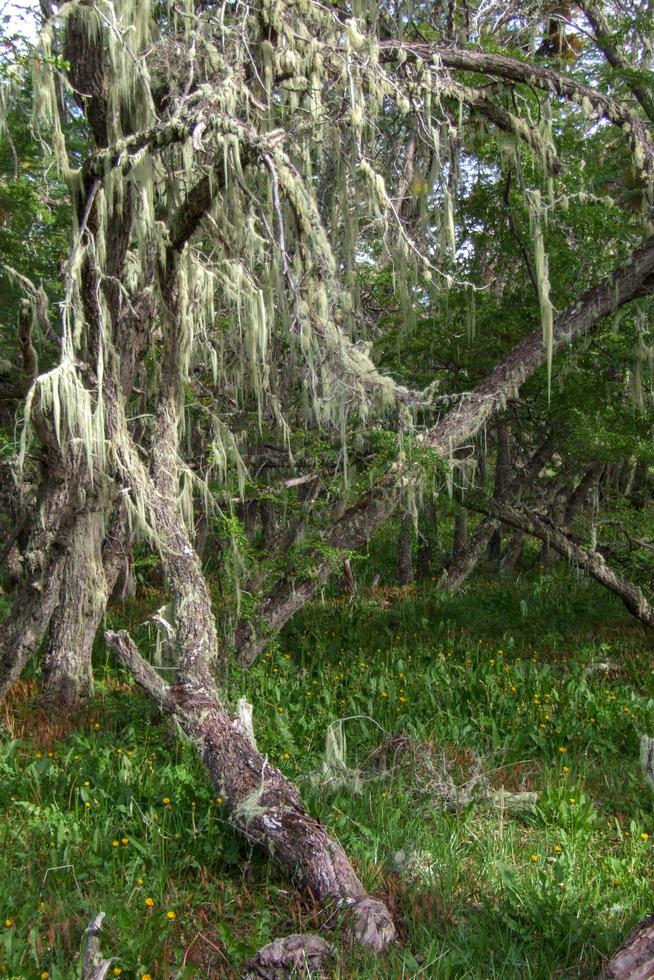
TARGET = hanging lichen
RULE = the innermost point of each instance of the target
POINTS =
(541, 267)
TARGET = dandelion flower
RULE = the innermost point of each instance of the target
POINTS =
(149, 902)
(117, 971)
(115, 843)
(124, 841)
(9, 923)
(44, 975)
(170, 915)
(534, 858)
(562, 748)
(644, 836)
(166, 801)
(219, 801)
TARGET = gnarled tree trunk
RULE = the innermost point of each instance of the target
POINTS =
(405, 551)
(261, 802)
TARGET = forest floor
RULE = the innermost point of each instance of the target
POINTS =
(545, 687)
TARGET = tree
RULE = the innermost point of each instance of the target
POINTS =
(248, 168)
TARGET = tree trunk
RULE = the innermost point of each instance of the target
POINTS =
(635, 958)
(260, 801)
(512, 554)
(579, 496)
(639, 491)
(404, 551)
(38, 594)
(460, 536)
(468, 557)
(427, 540)
(585, 558)
(503, 473)
(88, 580)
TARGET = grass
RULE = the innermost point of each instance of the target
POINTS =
(111, 809)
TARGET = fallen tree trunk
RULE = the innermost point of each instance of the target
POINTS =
(635, 958)
(262, 804)
(291, 956)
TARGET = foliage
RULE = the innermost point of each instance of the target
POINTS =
(473, 673)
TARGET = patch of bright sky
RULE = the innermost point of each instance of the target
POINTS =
(20, 18)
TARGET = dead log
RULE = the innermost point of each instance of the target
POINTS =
(635, 958)
(94, 965)
(292, 956)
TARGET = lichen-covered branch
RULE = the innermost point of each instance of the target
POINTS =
(360, 521)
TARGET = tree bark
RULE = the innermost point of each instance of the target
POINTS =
(460, 536)
(89, 576)
(467, 557)
(585, 558)
(404, 551)
(635, 958)
(67, 677)
(513, 552)
(360, 521)
(262, 804)
(502, 481)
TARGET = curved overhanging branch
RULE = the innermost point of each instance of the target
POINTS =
(616, 56)
(360, 521)
(538, 76)
(592, 562)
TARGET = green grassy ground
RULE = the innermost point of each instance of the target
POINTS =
(114, 813)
